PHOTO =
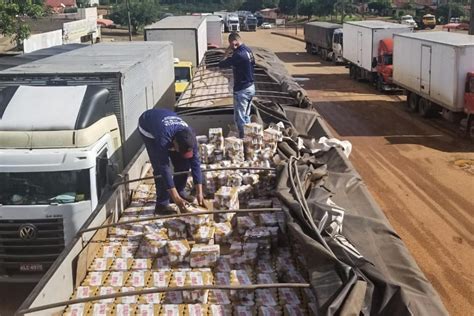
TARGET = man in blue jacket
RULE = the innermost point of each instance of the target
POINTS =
(167, 137)
(242, 63)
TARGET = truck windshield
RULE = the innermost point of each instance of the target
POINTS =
(39, 188)
(471, 85)
(387, 59)
(181, 74)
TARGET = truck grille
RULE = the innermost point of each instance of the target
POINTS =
(34, 250)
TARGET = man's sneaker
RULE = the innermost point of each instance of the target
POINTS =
(188, 197)
(164, 210)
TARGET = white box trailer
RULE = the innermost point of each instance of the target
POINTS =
(434, 66)
(215, 28)
(187, 33)
(361, 40)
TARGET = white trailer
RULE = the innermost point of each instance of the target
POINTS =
(361, 44)
(433, 67)
(187, 33)
(215, 28)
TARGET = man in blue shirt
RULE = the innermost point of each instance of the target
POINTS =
(167, 137)
(242, 63)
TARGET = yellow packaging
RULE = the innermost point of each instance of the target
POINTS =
(148, 310)
(204, 255)
(223, 233)
(141, 264)
(80, 309)
(196, 310)
(204, 234)
(106, 290)
(219, 297)
(122, 264)
(172, 310)
(178, 279)
(241, 277)
(95, 278)
(101, 264)
(133, 299)
(264, 266)
(102, 309)
(125, 310)
(127, 251)
(244, 223)
(107, 251)
(138, 278)
(176, 229)
(160, 279)
(151, 298)
(197, 278)
(84, 291)
(178, 251)
(220, 310)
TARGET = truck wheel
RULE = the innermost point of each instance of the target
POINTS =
(334, 60)
(379, 84)
(412, 102)
(352, 72)
(425, 108)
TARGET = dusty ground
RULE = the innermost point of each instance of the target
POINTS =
(418, 170)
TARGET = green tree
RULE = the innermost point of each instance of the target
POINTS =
(12, 18)
(307, 8)
(141, 13)
(449, 10)
(380, 6)
(288, 6)
(345, 8)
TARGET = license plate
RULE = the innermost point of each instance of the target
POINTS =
(31, 267)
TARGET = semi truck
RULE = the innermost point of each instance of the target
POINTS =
(231, 21)
(187, 33)
(67, 131)
(436, 69)
(98, 258)
(324, 39)
(248, 22)
(368, 50)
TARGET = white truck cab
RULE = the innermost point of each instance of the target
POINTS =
(54, 166)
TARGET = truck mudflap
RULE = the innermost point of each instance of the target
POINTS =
(356, 261)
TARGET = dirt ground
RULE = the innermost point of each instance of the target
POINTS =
(419, 171)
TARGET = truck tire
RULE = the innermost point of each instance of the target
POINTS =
(425, 108)
(352, 71)
(334, 60)
(412, 102)
(379, 84)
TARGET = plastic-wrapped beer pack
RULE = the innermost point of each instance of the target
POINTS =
(228, 248)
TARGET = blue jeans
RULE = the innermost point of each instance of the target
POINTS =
(242, 107)
(179, 164)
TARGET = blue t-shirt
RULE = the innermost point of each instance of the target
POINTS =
(162, 125)
(242, 62)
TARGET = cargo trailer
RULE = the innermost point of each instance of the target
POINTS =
(436, 69)
(68, 128)
(363, 48)
(215, 28)
(187, 33)
(335, 198)
(321, 40)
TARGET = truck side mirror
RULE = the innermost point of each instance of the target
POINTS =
(374, 62)
(112, 173)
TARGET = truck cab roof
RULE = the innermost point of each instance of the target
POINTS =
(27, 108)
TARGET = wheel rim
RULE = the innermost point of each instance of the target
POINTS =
(412, 102)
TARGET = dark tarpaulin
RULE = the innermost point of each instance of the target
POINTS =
(357, 262)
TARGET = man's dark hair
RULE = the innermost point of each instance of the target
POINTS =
(234, 37)
(185, 139)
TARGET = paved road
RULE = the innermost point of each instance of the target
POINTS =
(418, 170)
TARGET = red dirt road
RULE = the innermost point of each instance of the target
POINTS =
(419, 171)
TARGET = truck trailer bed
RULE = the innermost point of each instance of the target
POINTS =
(341, 243)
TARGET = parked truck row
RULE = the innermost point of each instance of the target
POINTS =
(433, 68)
